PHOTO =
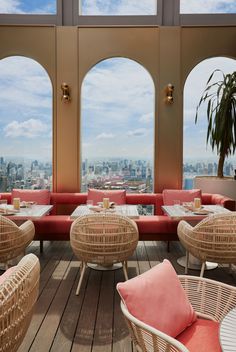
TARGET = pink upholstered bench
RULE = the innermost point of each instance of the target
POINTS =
(157, 227)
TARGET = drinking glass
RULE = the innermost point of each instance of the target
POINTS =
(89, 203)
(3, 204)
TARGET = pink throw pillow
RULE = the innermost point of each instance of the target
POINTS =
(158, 299)
(169, 195)
(118, 197)
(41, 196)
(7, 273)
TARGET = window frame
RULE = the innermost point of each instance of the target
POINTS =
(37, 19)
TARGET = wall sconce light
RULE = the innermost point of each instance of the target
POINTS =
(169, 94)
(65, 93)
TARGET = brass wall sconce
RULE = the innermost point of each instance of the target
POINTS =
(65, 93)
(169, 94)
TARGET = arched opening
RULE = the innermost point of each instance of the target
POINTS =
(25, 125)
(117, 127)
(198, 157)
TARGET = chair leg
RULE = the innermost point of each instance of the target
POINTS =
(41, 246)
(186, 263)
(168, 246)
(202, 269)
(82, 271)
(125, 267)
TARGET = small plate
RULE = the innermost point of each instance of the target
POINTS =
(201, 212)
(8, 213)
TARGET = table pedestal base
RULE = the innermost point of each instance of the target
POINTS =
(105, 268)
(195, 264)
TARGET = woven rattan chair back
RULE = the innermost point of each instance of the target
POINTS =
(18, 294)
(14, 239)
(213, 239)
(103, 239)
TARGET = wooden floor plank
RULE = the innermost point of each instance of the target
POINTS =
(44, 302)
(48, 328)
(83, 339)
(66, 331)
(102, 341)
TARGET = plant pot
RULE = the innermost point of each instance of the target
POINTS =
(212, 184)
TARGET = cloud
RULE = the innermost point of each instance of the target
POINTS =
(139, 132)
(207, 6)
(24, 83)
(21, 7)
(147, 118)
(29, 129)
(105, 136)
(121, 7)
(10, 6)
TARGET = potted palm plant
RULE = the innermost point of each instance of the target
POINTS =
(220, 97)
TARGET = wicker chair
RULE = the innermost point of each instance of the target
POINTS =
(210, 299)
(14, 239)
(18, 294)
(213, 239)
(103, 239)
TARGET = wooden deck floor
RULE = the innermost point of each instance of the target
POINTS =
(92, 321)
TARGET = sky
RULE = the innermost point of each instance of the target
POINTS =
(118, 110)
(117, 94)
(25, 109)
(28, 6)
(117, 7)
(195, 134)
(207, 6)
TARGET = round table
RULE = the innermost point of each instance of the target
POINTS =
(228, 332)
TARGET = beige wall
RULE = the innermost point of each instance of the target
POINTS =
(68, 53)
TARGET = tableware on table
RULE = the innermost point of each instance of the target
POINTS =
(176, 202)
(106, 203)
(3, 205)
(16, 203)
(197, 203)
(89, 203)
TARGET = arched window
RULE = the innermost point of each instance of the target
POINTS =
(118, 127)
(25, 125)
(199, 159)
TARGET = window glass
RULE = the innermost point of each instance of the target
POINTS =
(25, 125)
(207, 6)
(117, 8)
(118, 127)
(197, 155)
(28, 6)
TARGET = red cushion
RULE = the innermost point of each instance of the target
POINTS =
(114, 196)
(170, 195)
(158, 299)
(201, 336)
(40, 196)
(156, 224)
(53, 227)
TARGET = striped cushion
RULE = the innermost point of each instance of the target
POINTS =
(41, 196)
